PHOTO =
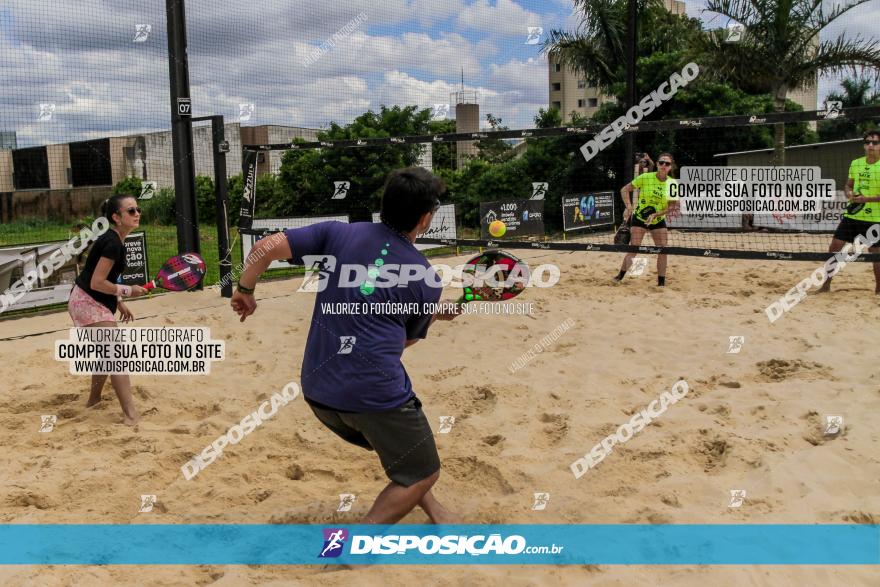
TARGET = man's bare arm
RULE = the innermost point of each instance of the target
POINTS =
(266, 250)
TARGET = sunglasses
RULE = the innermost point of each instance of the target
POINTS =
(664, 163)
(867, 142)
(133, 211)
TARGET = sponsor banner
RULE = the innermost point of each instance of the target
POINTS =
(248, 199)
(542, 544)
(442, 226)
(587, 210)
(248, 240)
(711, 220)
(521, 217)
(18, 261)
(825, 219)
(136, 265)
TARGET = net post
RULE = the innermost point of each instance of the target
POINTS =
(181, 131)
(221, 147)
(631, 56)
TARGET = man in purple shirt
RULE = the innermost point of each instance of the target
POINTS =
(352, 376)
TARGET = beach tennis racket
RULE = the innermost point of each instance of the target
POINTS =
(623, 234)
(645, 212)
(491, 268)
(855, 207)
(179, 273)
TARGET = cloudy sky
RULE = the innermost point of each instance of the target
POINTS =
(82, 57)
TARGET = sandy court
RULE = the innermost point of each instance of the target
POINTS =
(752, 421)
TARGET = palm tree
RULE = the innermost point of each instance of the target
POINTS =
(597, 50)
(780, 50)
(857, 92)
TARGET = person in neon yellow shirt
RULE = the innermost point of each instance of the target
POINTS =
(863, 211)
(649, 212)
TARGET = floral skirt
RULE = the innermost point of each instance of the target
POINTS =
(85, 310)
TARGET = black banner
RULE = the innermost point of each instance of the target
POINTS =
(587, 210)
(522, 217)
(248, 200)
(136, 265)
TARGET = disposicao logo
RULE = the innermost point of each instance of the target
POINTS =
(334, 541)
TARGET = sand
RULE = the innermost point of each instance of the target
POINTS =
(752, 420)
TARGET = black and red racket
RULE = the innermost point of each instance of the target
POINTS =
(855, 207)
(624, 233)
(179, 273)
(490, 268)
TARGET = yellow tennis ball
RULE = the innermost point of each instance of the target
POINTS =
(497, 228)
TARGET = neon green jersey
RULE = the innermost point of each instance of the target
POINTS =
(653, 195)
(866, 182)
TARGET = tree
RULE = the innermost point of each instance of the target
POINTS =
(494, 150)
(442, 154)
(549, 118)
(130, 186)
(308, 178)
(596, 50)
(780, 50)
(857, 92)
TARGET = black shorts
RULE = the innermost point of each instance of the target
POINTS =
(850, 228)
(401, 437)
(640, 224)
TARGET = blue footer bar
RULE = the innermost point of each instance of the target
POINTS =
(266, 544)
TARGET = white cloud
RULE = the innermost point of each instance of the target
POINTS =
(81, 57)
(505, 17)
(517, 107)
(529, 78)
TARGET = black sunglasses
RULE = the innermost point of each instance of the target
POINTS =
(664, 163)
(133, 210)
(869, 142)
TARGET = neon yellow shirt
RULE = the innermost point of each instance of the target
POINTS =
(653, 195)
(866, 182)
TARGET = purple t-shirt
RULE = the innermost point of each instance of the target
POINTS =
(352, 360)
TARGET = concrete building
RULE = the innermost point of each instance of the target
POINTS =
(569, 92)
(268, 161)
(467, 119)
(146, 156)
(807, 97)
(69, 180)
(8, 140)
(6, 170)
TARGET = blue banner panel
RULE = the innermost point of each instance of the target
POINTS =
(267, 544)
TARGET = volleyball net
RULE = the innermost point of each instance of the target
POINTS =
(559, 187)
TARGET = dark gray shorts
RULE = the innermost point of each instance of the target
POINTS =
(401, 437)
(850, 228)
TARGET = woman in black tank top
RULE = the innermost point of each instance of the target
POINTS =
(97, 296)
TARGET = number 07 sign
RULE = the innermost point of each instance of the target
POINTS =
(184, 107)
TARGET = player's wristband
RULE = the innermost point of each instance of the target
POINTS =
(245, 290)
(123, 290)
